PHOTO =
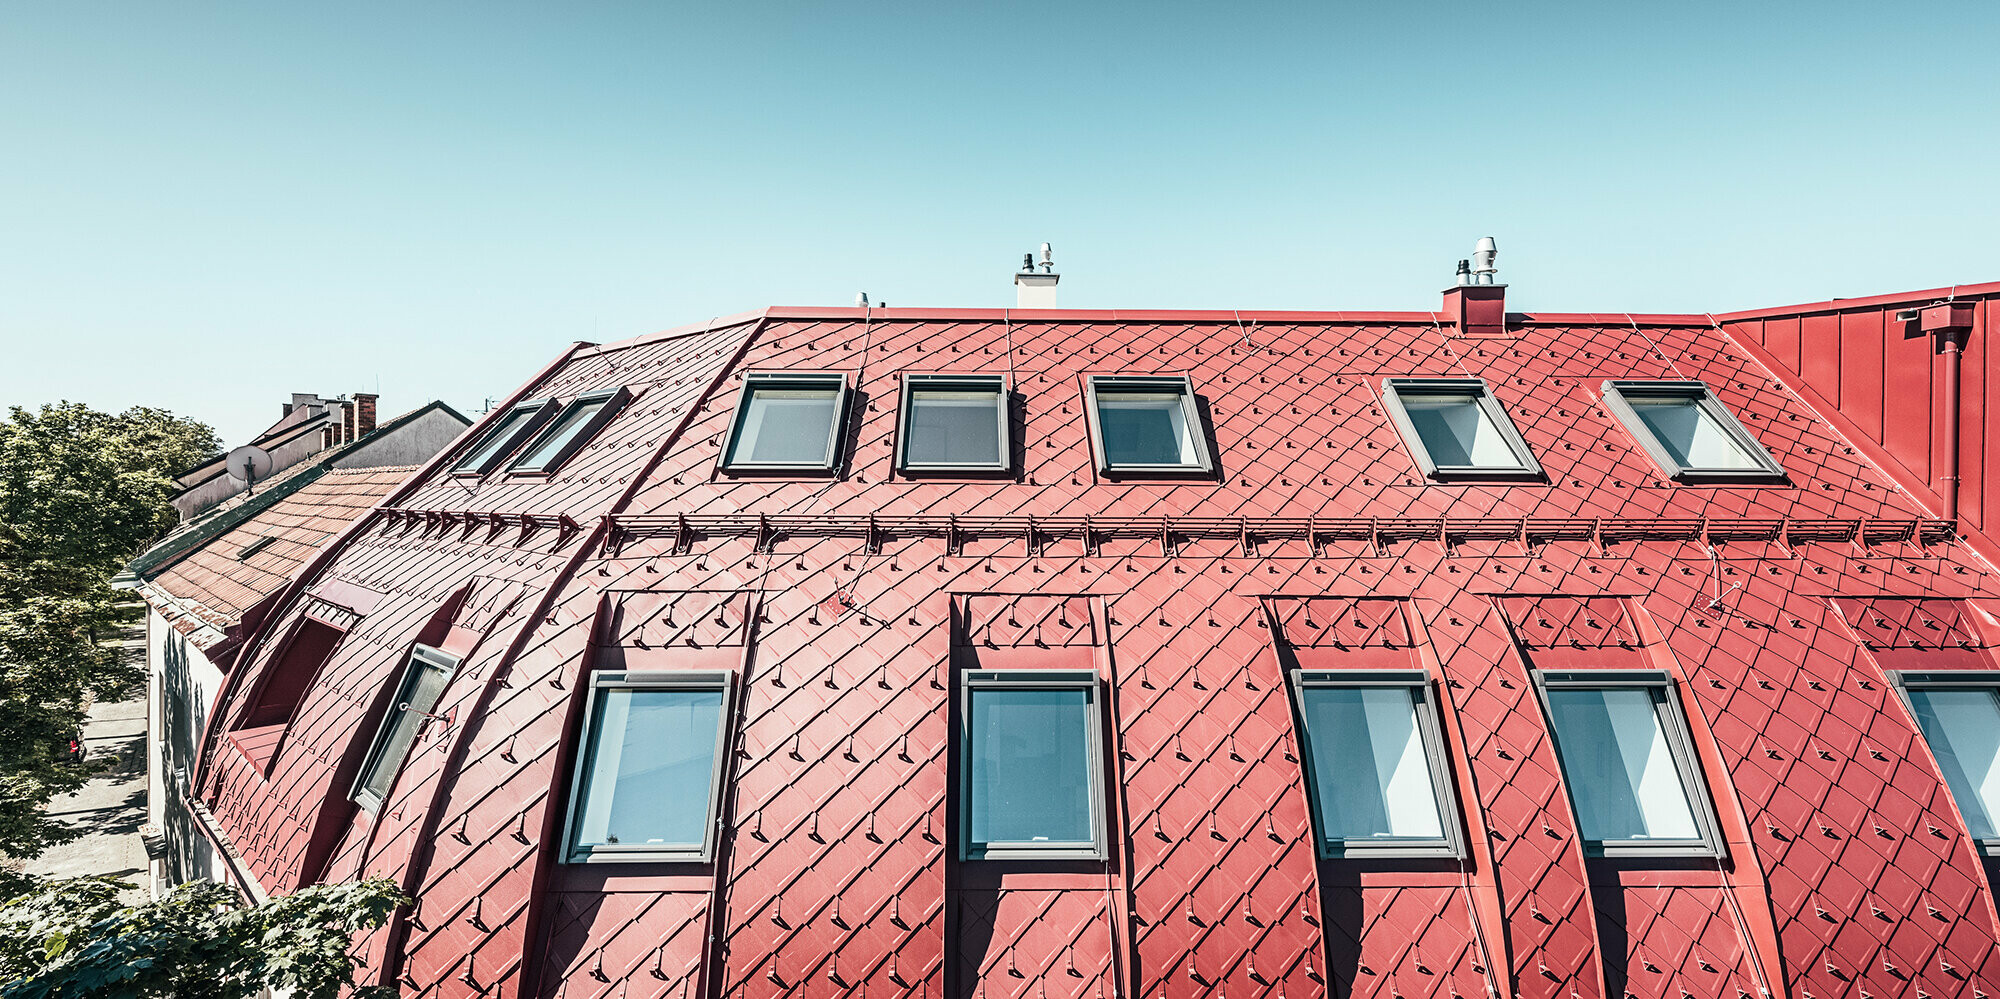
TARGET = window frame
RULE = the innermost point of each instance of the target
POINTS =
(943, 381)
(1476, 390)
(421, 657)
(542, 409)
(1616, 401)
(752, 381)
(1204, 463)
(1668, 714)
(971, 681)
(1431, 731)
(1962, 679)
(613, 400)
(602, 680)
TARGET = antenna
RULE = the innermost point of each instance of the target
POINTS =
(247, 465)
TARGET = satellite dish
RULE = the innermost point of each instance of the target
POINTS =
(248, 465)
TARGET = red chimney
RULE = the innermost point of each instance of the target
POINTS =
(364, 413)
(1477, 305)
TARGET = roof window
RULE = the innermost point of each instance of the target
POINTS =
(1455, 429)
(1146, 424)
(256, 546)
(787, 421)
(1959, 714)
(1687, 431)
(508, 432)
(648, 781)
(1375, 763)
(423, 682)
(1030, 765)
(954, 423)
(570, 431)
(1628, 763)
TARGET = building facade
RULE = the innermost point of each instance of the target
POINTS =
(1004, 653)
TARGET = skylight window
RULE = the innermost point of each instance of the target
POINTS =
(1454, 428)
(954, 423)
(512, 428)
(1375, 763)
(1146, 424)
(787, 421)
(570, 431)
(256, 546)
(416, 698)
(1959, 714)
(1031, 767)
(1688, 432)
(647, 782)
(1628, 763)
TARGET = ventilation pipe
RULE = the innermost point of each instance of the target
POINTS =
(1036, 289)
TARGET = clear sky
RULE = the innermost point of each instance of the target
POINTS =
(209, 206)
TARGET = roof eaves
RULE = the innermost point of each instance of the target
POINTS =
(1922, 297)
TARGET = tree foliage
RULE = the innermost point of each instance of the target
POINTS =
(81, 493)
(71, 939)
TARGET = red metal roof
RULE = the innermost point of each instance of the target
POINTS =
(847, 604)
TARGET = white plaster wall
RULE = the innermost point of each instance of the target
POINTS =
(181, 686)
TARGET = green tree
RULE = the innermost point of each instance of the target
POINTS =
(70, 939)
(81, 492)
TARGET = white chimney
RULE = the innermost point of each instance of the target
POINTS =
(1036, 289)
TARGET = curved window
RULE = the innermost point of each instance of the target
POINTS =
(417, 696)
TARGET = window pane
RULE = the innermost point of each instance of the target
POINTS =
(652, 762)
(1620, 769)
(1370, 770)
(567, 426)
(1456, 431)
(1030, 760)
(502, 432)
(1690, 434)
(954, 427)
(789, 425)
(418, 698)
(1145, 428)
(1963, 729)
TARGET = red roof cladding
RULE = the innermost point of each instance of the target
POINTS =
(1849, 867)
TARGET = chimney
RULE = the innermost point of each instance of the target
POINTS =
(1477, 305)
(364, 413)
(1036, 289)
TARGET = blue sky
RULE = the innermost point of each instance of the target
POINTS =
(208, 207)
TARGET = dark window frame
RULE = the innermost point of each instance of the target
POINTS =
(1672, 719)
(947, 382)
(1431, 730)
(971, 681)
(1475, 390)
(421, 657)
(612, 401)
(754, 380)
(1964, 679)
(1094, 385)
(540, 410)
(1617, 395)
(609, 853)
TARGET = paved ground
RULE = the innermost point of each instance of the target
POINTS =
(112, 806)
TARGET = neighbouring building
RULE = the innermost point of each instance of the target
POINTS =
(209, 584)
(1057, 654)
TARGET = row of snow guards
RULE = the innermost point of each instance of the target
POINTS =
(847, 608)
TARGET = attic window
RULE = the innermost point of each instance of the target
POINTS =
(954, 423)
(255, 546)
(1628, 763)
(417, 696)
(1958, 713)
(787, 421)
(512, 428)
(570, 431)
(1688, 432)
(1030, 764)
(1375, 763)
(1455, 429)
(648, 783)
(1142, 424)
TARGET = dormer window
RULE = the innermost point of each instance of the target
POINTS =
(1455, 429)
(1688, 432)
(954, 423)
(512, 428)
(570, 431)
(1143, 425)
(1628, 763)
(787, 421)
(648, 783)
